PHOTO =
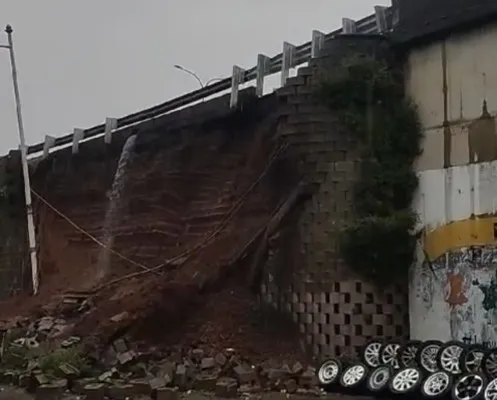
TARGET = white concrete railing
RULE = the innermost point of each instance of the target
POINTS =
(292, 56)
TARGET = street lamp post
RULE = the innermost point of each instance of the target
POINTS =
(181, 68)
(212, 80)
(24, 162)
(202, 85)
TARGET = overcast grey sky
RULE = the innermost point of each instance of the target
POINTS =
(80, 61)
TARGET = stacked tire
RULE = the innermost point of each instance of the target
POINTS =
(430, 369)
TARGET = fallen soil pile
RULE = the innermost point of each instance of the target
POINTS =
(222, 200)
(35, 357)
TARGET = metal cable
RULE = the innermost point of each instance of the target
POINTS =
(185, 256)
(93, 238)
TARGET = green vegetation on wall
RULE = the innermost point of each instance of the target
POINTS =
(368, 97)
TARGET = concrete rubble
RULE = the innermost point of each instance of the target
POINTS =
(122, 371)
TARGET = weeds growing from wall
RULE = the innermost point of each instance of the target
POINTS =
(368, 97)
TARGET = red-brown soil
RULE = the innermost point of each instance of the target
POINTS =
(175, 199)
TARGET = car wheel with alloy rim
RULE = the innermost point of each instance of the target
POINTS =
(427, 355)
(353, 375)
(406, 380)
(408, 352)
(371, 353)
(471, 359)
(329, 371)
(469, 387)
(437, 385)
(489, 363)
(378, 379)
(449, 357)
(389, 354)
(490, 392)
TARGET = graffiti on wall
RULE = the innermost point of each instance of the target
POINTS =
(465, 280)
(475, 340)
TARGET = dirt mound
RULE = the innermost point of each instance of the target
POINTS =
(231, 317)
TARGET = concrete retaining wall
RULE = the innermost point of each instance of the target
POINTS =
(454, 82)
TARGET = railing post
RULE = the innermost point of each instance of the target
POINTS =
(381, 18)
(317, 43)
(348, 26)
(236, 80)
(47, 145)
(262, 69)
(287, 61)
(110, 125)
(77, 135)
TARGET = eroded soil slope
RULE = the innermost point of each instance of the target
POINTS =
(190, 210)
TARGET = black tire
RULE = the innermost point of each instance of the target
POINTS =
(449, 357)
(378, 379)
(389, 354)
(371, 353)
(471, 359)
(354, 376)
(408, 352)
(490, 390)
(427, 356)
(437, 385)
(406, 381)
(489, 363)
(460, 388)
(329, 372)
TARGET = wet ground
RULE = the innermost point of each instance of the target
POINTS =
(9, 393)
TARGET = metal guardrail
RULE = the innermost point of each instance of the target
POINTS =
(376, 23)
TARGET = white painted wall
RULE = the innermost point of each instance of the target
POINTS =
(473, 188)
(471, 78)
(448, 197)
(456, 193)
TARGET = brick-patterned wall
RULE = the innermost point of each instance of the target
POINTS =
(188, 170)
(14, 261)
(336, 310)
(190, 166)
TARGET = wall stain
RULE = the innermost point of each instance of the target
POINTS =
(465, 279)
(461, 111)
(456, 284)
(489, 291)
(473, 339)
(482, 141)
(447, 134)
(425, 287)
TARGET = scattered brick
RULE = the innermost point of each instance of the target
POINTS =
(50, 391)
(205, 382)
(94, 391)
(245, 374)
(167, 394)
(227, 387)
(207, 363)
(121, 391)
(180, 377)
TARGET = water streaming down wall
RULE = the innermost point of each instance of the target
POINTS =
(112, 214)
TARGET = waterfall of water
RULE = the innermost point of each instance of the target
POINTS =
(112, 213)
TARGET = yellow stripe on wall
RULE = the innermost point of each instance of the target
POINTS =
(477, 231)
